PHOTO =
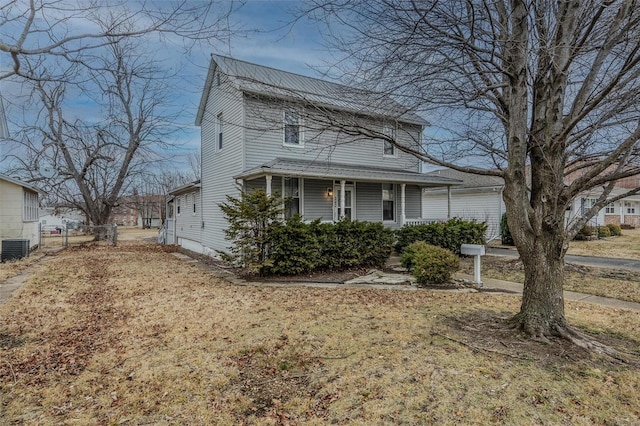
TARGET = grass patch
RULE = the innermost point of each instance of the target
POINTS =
(130, 334)
(626, 246)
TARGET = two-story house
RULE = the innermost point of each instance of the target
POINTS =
(318, 144)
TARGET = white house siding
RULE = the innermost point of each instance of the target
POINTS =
(413, 202)
(188, 226)
(219, 167)
(480, 205)
(264, 142)
(12, 224)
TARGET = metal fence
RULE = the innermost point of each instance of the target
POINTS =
(64, 236)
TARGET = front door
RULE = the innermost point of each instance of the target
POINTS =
(349, 202)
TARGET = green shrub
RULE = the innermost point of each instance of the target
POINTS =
(505, 234)
(585, 234)
(614, 229)
(603, 231)
(294, 248)
(429, 264)
(450, 234)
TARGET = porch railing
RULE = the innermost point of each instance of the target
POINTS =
(411, 222)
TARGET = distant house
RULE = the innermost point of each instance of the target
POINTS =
(263, 128)
(54, 218)
(19, 210)
(477, 198)
(184, 221)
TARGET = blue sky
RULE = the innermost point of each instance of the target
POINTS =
(267, 38)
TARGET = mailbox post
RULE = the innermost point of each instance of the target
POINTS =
(475, 250)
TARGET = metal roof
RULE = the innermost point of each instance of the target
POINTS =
(185, 188)
(21, 183)
(324, 170)
(261, 80)
(469, 180)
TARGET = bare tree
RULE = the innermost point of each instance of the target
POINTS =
(534, 91)
(95, 159)
(150, 191)
(37, 30)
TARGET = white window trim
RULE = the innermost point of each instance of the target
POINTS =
(194, 207)
(300, 193)
(300, 129)
(30, 206)
(178, 206)
(610, 209)
(395, 203)
(391, 131)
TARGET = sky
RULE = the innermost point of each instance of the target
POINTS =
(266, 36)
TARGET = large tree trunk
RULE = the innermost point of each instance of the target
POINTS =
(542, 311)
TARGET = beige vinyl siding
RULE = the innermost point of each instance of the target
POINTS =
(264, 141)
(220, 167)
(12, 223)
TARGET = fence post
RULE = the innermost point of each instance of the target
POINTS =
(40, 235)
(115, 234)
(65, 239)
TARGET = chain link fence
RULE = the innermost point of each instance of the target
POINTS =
(65, 236)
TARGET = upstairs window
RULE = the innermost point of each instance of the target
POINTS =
(219, 132)
(388, 202)
(389, 149)
(178, 206)
(292, 133)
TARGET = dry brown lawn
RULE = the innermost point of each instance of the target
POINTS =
(626, 246)
(133, 335)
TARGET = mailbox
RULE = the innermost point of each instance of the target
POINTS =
(472, 249)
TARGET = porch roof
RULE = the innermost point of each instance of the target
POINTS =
(337, 171)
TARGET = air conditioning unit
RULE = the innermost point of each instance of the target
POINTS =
(14, 249)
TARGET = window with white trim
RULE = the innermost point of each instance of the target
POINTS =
(610, 209)
(388, 202)
(631, 208)
(178, 205)
(29, 206)
(291, 192)
(219, 132)
(195, 210)
(389, 149)
(292, 128)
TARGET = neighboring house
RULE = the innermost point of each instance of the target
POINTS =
(270, 129)
(184, 221)
(63, 218)
(479, 198)
(19, 207)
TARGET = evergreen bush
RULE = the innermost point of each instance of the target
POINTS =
(614, 229)
(603, 232)
(430, 264)
(449, 235)
(505, 233)
(294, 248)
(585, 234)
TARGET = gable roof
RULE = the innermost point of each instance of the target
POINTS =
(20, 183)
(330, 171)
(262, 80)
(469, 180)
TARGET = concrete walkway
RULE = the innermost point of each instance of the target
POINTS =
(11, 284)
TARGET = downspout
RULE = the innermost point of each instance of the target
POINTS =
(448, 201)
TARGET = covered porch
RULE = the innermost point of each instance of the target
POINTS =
(332, 191)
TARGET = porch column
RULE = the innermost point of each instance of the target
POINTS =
(621, 203)
(403, 216)
(449, 202)
(342, 197)
(268, 190)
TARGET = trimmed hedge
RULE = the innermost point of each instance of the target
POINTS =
(298, 247)
(449, 235)
(585, 234)
(428, 263)
(603, 232)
